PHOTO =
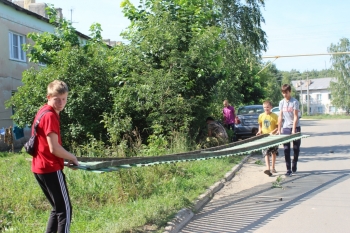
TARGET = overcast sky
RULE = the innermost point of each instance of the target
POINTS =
(293, 27)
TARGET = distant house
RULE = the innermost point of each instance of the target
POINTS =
(17, 19)
(318, 94)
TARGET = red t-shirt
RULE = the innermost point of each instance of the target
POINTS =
(43, 160)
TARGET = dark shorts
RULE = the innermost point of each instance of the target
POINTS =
(270, 151)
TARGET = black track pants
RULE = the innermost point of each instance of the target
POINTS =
(296, 148)
(55, 189)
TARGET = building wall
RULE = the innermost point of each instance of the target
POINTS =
(319, 105)
(19, 22)
(319, 101)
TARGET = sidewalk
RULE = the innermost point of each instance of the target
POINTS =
(315, 199)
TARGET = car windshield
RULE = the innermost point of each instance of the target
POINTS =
(275, 110)
(250, 110)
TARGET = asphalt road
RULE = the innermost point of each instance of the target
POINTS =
(315, 199)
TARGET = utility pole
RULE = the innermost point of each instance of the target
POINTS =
(307, 94)
(301, 95)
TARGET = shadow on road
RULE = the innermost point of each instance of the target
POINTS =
(310, 123)
(250, 209)
(330, 151)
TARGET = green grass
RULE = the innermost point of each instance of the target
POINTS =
(259, 162)
(123, 201)
(326, 116)
(277, 183)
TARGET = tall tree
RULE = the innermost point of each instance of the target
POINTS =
(272, 79)
(199, 48)
(340, 88)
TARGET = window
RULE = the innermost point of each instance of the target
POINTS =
(250, 110)
(319, 109)
(319, 96)
(16, 51)
(332, 109)
(330, 96)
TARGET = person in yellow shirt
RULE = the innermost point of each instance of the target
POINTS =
(268, 124)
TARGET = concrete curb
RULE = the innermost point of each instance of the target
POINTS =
(185, 215)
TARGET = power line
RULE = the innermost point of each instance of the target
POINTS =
(304, 55)
(298, 55)
(265, 26)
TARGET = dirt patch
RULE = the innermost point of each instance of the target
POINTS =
(250, 175)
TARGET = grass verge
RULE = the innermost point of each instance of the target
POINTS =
(123, 201)
(326, 117)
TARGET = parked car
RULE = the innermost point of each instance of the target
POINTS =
(247, 121)
(276, 110)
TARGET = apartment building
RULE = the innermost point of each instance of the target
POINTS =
(316, 94)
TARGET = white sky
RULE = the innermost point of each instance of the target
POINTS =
(292, 26)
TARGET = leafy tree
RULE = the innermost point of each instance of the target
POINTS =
(88, 73)
(272, 78)
(187, 46)
(296, 75)
(244, 40)
(48, 44)
(182, 57)
(340, 88)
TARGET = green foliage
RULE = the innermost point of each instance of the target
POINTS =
(272, 84)
(288, 76)
(277, 183)
(258, 162)
(112, 202)
(184, 57)
(327, 117)
(241, 21)
(88, 72)
(6, 218)
(48, 44)
(88, 75)
(157, 142)
(178, 66)
(340, 87)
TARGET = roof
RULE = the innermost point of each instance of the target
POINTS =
(40, 17)
(315, 84)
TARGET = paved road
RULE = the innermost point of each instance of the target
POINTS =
(315, 199)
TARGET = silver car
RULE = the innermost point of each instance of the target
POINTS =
(247, 121)
(276, 110)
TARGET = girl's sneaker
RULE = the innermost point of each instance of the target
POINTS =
(274, 170)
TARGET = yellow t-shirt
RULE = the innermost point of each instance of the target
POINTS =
(268, 122)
